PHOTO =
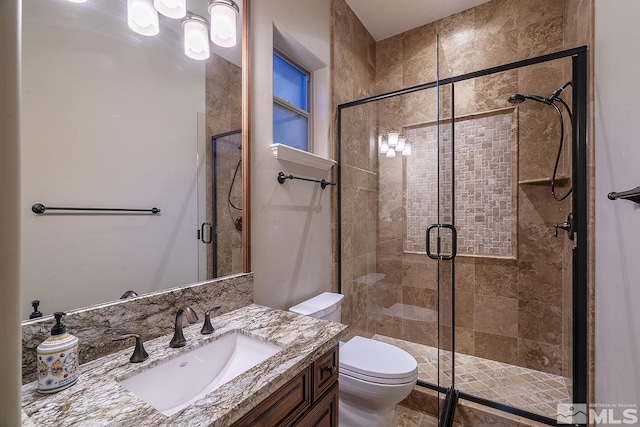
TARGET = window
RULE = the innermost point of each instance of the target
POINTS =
(291, 103)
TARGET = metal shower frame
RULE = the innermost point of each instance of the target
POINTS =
(580, 209)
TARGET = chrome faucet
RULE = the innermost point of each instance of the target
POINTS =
(178, 339)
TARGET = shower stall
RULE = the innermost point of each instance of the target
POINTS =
(221, 232)
(463, 231)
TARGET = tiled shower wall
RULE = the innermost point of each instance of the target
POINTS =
(485, 184)
(353, 77)
(579, 31)
(509, 310)
(224, 114)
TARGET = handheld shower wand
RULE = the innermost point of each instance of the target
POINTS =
(517, 99)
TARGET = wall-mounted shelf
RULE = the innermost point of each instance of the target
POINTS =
(543, 181)
(290, 154)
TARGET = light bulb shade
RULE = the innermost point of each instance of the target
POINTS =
(78, 1)
(391, 152)
(401, 143)
(223, 15)
(176, 9)
(196, 37)
(142, 17)
(384, 148)
(407, 149)
(393, 138)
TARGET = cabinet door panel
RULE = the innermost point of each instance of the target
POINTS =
(325, 373)
(284, 406)
(324, 413)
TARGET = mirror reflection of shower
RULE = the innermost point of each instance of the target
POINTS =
(226, 202)
(238, 221)
(517, 99)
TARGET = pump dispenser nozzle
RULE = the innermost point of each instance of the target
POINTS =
(36, 313)
(58, 328)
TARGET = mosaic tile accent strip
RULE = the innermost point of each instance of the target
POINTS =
(519, 387)
(485, 183)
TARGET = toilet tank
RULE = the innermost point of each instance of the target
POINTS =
(327, 306)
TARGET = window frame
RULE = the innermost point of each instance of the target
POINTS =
(288, 106)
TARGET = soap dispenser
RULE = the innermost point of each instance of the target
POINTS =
(57, 359)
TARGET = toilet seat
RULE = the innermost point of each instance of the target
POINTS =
(377, 362)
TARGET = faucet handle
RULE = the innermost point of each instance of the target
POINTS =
(207, 328)
(139, 353)
(566, 226)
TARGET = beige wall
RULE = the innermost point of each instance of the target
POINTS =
(290, 223)
(104, 127)
(9, 214)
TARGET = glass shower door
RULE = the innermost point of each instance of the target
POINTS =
(449, 251)
(445, 233)
(225, 241)
(512, 288)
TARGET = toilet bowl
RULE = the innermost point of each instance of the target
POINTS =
(374, 376)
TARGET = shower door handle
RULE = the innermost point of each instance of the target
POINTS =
(454, 242)
(202, 235)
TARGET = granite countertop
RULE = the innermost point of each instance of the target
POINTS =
(98, 400)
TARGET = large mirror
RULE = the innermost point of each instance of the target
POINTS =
(115, 119)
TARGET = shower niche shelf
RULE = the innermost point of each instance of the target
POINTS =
(543, 181)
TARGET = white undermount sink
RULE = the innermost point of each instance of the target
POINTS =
(176, 383)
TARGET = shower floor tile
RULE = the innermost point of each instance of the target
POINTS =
(523, 388)
(408, 417)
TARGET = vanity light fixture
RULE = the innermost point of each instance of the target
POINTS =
(142, 17)
(196, 37)
(176, 9)
(223, 17)
(393, 144)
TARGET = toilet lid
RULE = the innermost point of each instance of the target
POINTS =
(365, 357)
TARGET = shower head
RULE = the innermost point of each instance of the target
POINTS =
(517, 98)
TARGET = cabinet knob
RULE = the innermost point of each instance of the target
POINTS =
(331, 369)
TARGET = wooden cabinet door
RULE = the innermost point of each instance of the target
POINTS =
(324, 413)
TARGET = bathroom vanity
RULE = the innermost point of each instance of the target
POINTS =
(296, 385)
(311, 398)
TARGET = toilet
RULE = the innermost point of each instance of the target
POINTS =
(374, 376)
